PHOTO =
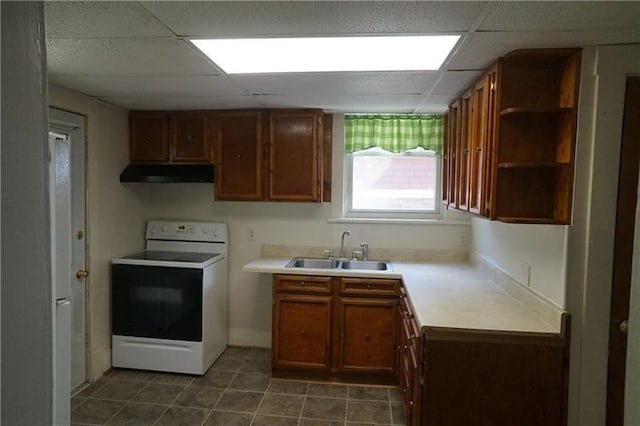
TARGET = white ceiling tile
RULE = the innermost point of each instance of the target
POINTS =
(561, 15)
(482, 49)
(150, 86)
(338, 83)
(91, 19)
(434, 104)
(185, 102)
(125, 57)
(344, 103)
(239, 18)
(453, 82)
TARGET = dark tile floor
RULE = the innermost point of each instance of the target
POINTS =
(237, 390)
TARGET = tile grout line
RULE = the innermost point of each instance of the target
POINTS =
(304, 401)
(235, 374)
(125, 402)
(346, 410)
(173, 400)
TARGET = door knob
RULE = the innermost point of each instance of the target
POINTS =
(82, 273)
(624, 326)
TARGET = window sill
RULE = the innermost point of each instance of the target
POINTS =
(398, 221)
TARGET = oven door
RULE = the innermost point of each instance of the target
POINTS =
(157, 302)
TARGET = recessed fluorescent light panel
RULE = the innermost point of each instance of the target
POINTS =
(328, 54)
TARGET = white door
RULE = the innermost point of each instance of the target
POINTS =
(67, 145)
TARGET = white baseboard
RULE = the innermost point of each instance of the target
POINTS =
(248, 337)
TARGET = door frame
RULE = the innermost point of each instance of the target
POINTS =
(625, 228)
(74, 124)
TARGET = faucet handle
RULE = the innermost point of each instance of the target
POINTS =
(365, 250)
(328, 253)
(356, 253)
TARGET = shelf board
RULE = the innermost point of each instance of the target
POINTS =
(524, 111)
(530, 165)
(533, 220)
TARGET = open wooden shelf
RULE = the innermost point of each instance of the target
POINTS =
(524, 110)
(530, 165)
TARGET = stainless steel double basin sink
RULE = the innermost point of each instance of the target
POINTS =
(318, 263)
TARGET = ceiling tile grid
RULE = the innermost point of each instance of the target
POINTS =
(136, 54)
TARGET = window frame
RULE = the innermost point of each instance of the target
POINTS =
(348, 212)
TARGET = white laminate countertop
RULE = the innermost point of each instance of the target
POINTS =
(447, 295)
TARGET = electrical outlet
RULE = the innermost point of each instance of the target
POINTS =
(251, 233)
(463, 239)
(526, 273)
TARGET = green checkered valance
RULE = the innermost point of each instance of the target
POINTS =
(394, 132)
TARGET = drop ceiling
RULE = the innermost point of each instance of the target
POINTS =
(137, 55)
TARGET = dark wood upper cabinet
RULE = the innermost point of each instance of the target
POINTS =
(239, 155)
(295, 155)
(263, 155)
(169, 137)
(536, 134)
(515, 131)
(149, 132)
(189, 137)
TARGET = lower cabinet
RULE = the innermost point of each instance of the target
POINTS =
(409, 350)
(303, 333)
(363, 330)
(367, 335)
(494, 378)
(333, 328)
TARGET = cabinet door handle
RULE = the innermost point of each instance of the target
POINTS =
(302, 283)
(302, 332)
(238, 156)
(368, 286)
(367, 337)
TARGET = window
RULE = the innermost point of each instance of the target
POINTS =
(392, 165)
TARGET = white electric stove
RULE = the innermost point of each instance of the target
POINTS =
(169, 302)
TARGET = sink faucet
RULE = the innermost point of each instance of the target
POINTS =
(365, 251)
(344, 234)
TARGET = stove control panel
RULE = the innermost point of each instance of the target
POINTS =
(187, 231)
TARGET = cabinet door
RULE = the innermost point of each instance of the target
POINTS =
(189, 137)
(301, 331)
(295, 154)
(453, 142)
(464, 162)
(478, 145)
(490, 150)
(149, 137)
(239, 154)
(367, 335)
(445, 162)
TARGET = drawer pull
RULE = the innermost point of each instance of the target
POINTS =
(367, 337)
(368, 286)
(302, 283)
(302, 332)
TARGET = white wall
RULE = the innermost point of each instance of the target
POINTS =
(533, 255)
(591, 237)
(27, 304)
(114, 213)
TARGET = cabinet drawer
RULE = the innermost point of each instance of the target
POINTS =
(369, 287)
(302, 284)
